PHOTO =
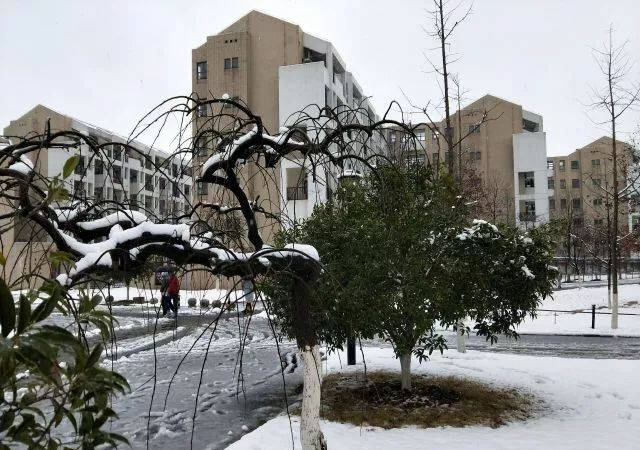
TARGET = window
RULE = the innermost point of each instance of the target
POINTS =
(202, 110)
(163, 183)
(595, 181)
(203, 188)
(201, 70)
(575, 164)
(420, 135)
(200, 149)
(98, 193)
(595, 163)
(126, 173)
(148, 182)
(597, 201)
(99, 167)
(598, 222)
(561, 164)
(78, 188)
(528, 180)
(550, 164)
(231, 63)
(577, 221)
(79, 170)
(187, 190)
(117, 152)
(528, 211)
(576, 203)
(563, 184)
(133, 201)
(297, 184)
(174, 170)
(575, 183)
(134, 176)
(436, 158)
(475, 156)
(563, 203)
(393, 137)
(117, 174)
(148, 164)
(551, 183)
(474, 128)
(552, 203)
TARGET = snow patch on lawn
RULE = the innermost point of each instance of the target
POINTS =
(589, 409)
(578, 321)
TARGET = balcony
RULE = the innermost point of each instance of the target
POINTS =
(297, 192)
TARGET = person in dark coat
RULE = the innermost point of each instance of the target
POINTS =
(173, 292)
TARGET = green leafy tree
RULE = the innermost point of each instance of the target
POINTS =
(51, 378)
(400, 256)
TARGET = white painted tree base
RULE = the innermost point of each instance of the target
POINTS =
(460, 340)
(311, 436)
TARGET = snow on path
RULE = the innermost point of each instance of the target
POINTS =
(592, 405)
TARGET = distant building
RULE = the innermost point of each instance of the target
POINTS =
(161, 191)
(577, 183)
(277, 70)
(503, 145)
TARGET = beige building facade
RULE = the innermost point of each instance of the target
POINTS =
(502, 150)
(578, 184)
(152, 182)
(278, 70)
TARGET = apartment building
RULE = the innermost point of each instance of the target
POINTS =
(160, 191)
(278, 70)
(577, 183)
(503, 145)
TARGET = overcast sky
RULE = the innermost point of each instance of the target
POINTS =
(108, 62)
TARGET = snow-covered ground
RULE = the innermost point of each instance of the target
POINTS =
(591, 405)
(581, 299)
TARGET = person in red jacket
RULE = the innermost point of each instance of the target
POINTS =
(173, 291)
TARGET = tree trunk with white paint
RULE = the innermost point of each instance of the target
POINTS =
(460, 341)
(405, 372)
(614, 310)
(311, 436)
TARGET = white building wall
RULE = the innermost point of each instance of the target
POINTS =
(299, 86)
(530, 155)
(56, 159)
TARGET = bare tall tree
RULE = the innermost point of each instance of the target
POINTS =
(445, 20)
(617, 97)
